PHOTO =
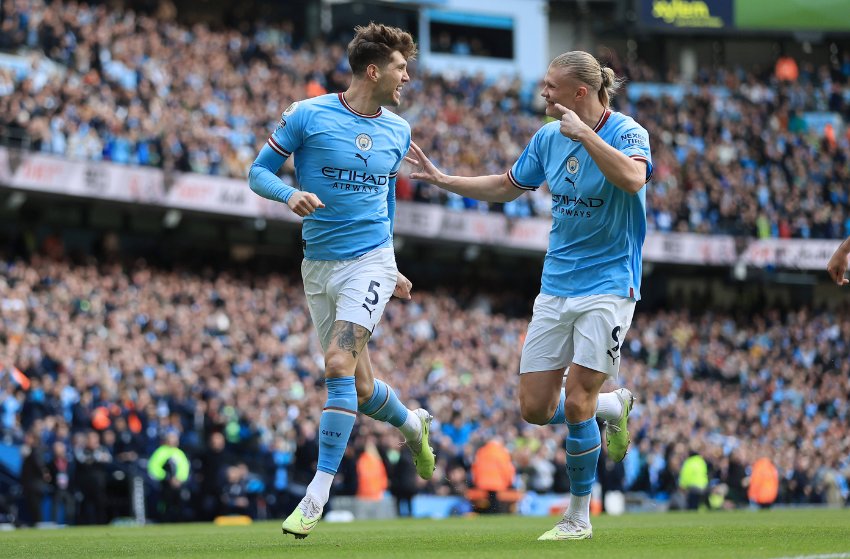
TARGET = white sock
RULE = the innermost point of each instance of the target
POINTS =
(320, 487)
(579, 508)
(412, 427)
(608, 407)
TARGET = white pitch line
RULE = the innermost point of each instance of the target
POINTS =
(845, 555)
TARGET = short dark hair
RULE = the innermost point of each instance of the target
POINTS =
(375, 43)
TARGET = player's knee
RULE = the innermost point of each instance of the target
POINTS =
(534, 413)
(339, 365)
(578, 408)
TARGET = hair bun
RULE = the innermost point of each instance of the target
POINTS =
(607, 76)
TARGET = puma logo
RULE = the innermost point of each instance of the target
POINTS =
(571, 181)
(364, 159)
(615, 335)
(368, 309)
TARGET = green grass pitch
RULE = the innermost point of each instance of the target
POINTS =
(743, 534)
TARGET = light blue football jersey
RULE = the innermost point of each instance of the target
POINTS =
(597, 234)
(349, 160)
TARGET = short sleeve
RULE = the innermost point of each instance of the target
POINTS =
(528, 172)
(404, 146)
(289, 134)
(633, 140)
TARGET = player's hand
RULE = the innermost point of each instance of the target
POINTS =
(402, 286)
(571, 125)
(837, 267)
(425, 170)
(304, 203)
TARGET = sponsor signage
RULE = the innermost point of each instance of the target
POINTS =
(91, 179)
(797, 254)
(217, 195)
(686, 14)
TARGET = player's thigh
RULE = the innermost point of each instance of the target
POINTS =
(548, 343)
(364, 286)
(600, 331)
(539, 393)
(583, 380)
(316, 275)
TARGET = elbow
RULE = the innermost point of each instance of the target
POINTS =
(635, 187)
(632, 185)
(253, 172)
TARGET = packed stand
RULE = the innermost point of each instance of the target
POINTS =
(143, 90)
(208, 386)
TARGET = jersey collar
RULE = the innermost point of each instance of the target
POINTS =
(602, 120)
(347, 106)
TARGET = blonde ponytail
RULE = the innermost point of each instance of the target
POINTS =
(585, 67)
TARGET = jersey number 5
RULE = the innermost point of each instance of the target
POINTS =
(373, 300)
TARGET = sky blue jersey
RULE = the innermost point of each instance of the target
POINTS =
(597, 234)
(349, 160)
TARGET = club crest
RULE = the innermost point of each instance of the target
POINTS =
(363, 142)
(572, 165)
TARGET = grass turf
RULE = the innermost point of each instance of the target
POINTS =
(744, 534)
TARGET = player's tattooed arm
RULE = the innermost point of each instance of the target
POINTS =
(349, 337)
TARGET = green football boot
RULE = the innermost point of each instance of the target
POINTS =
(303, 519)
(617, 432)
(423, 454)
(568, 529)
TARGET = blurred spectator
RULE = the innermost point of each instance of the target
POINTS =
(371, 473)
(34, 477)
(169, 466)
(786, 69)
(214, 462)
(693, 480)
(403, 479)
(91, 463)
(59, 468)
(493, 471)
(234, 491)
(764, 483)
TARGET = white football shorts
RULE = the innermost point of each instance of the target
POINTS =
(588, 331)
(354, 290)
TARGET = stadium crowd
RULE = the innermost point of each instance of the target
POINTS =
(734, 155)
(208, 386)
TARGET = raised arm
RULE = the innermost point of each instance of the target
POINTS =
(626, 173)
(489, 188)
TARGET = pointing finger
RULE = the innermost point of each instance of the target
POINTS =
(561, 108)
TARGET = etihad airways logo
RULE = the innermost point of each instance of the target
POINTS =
(348, 175)
(558, 199)
(574, 206)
